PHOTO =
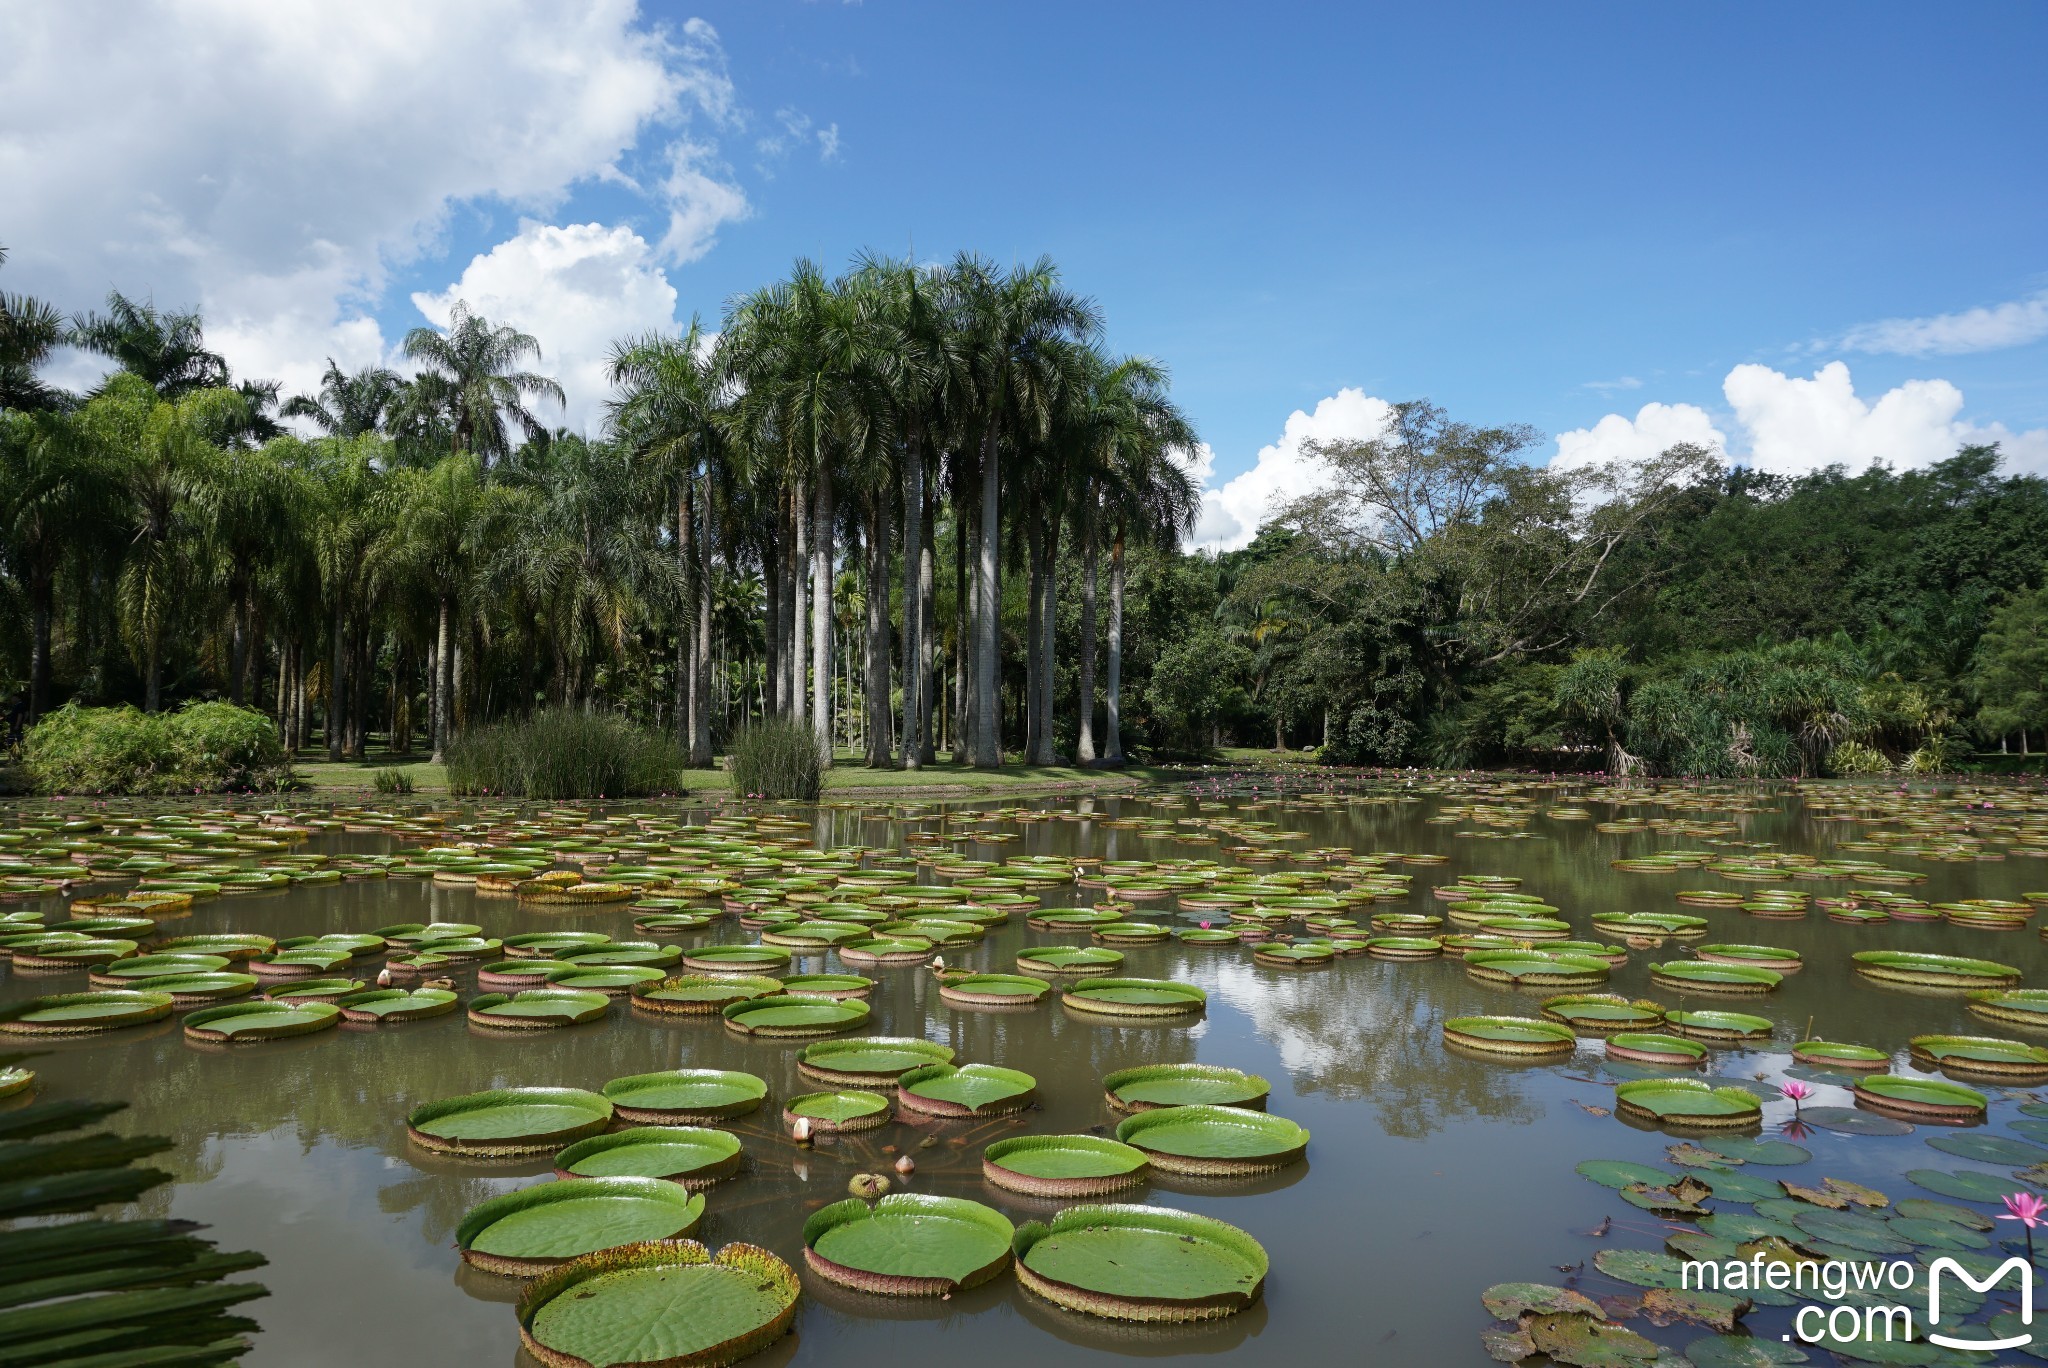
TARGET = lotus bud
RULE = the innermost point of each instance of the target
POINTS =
(383, 978)
(906, 1165)
(802, 1130)
(867, 1186)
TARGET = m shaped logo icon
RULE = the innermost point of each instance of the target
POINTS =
(1997, 1275)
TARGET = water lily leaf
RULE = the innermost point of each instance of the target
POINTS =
(1732, 1186)
(1587, 1343)
(1921, 1209)
(1715, 1310)
(2008, 1325)
(1820, 1197)
(1510, 1301)
(1770, 1152)
(1936, 1234)
(1852, 1230)
(1742, 1227)
(1507, 1346)
(1619, 1173)
(2034, 1175)
(1965, 1184)
(2036, 1109)
(1739, 1351)
(1695, 1244)
(1856, 1193)
(1665, 1201)
(1850, 1121)
(1989, 1149)
(1640, 1267)
(2033, 1130)
(1690, 1155)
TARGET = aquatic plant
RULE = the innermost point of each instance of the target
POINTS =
(776, 759)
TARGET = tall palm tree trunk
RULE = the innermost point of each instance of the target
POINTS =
(42, 593)
(686, 674)
(444, 678)
(927, 645)
(1084, 739)
(700, 667)
(771, 636)
(877, 723)
(337, 686)
(914, 677)
(1113, 695)
(801, 569)
(1034, 661)
(988, 742)
(963, 643)
(821, 615)
(1048, 623)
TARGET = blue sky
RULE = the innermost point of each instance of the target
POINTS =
(1538, 214)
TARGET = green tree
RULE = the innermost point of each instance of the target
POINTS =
(469, 382)
(2008, 680)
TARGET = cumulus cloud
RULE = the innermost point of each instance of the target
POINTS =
(1790, 425)
(1655, 428)
(2014, 323)
(270, 160)
(1233, 513)
(575, 288)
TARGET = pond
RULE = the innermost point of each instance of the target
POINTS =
(1430, 1175)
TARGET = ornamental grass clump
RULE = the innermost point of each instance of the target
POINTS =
(564, 753)
(775, 759)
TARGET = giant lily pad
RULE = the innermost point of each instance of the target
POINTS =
(229, 945)
(613, 980)
(84, 1013)
(1706, 976)
(313, 989)
(1536, 969)
(659, 1304)
(2023, 1007)
(695, 1156)
(122, 973)
(1920, 1099)
(1603, 1013)
(1135, 997)
(1725, 1028)
(1178, 1085)
(1982, 1057)
(1068, 959)
(702, 994)
(1140, 1263)
(1830, 1054)
(1686, 1102)
(992, 990)
(965, 1090)
(547, 944)
(684, 1096)
(1065, 1166)
(187, 989)
(1640, 1047)
(396, 1004)
(1519, 1037)
(1933, 971)
(532, 1229)
(537, 1008)
(736, 959)
(849, 1109)
(908, 1244)
(1214, 1141)
(786, 1016)
(870, 1060)
(508, 1121)
(247, 1022)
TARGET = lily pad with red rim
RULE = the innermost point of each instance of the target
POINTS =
(661, 1302)
(1141, 1263)
(532, 1229)
(908, 1244)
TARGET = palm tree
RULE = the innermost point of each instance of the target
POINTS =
(445, 520)
(1146, 493)
(1013, 323)
(669, 411)
(247, 501)
(348, 405)
(168, 350)
(57, 503)
(467, 375)
(30, 331)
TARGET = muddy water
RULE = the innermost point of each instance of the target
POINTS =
(1429, 1176)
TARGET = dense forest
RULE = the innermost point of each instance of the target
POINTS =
(929, 514)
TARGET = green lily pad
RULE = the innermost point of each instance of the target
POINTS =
(1988, 1149)
(534, 1227)
(1741, 1351)
(1766, 1152)
(507, 1121)
(1640, 1267)
(965, 1090)
(1921, 1209)
(1140, 1262)
(1853, 1230)
(681, 1096)
(1850, 1121)
(1179, 1085)
(1730, 1186)
(1964, 1184)
(1063, 1165)
(838, 1108)
(1619, 1173)
(909, 1244)
(870, 1060)
(1202, 1139)
(789, 1015)
(1510, 1301)
(660, 1302)
(695, 1156)
(260, 1020)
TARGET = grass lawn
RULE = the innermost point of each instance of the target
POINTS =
(846, 776)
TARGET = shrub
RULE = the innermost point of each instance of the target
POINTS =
(775, 758)
(564, 753)
(392, 780)
(207, 747)
(1853, 757)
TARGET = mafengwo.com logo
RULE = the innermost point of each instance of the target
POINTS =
(1847, 1309)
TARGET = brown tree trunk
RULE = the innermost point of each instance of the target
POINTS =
(1084, 740)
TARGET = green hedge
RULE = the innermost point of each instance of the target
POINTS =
(201, 748)
(563, 753)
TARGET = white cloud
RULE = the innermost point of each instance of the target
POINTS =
(269, 160)
(1655, 428)
(1232, 514)
(577, 289)
(1620, 382)
(1790, 425)
(2012, 324)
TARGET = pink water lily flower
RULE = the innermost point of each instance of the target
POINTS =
(1797, 1091)
(2027, 1209)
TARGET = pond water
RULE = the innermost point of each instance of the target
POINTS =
(1429, 1177)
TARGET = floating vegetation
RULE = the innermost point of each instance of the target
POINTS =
(965, 1090)
(908, 1244)
(1135, 997)
(846, 1110)
(1214, 1142)
(1831, 1054)
(1701, 976)
(1603, 1013)
(1535, 969)
(2023, 1007)
(1933, 971)
(1652, 1048)
(788, 1016)
(1148, 1086)
(993, 990)
(65, 1014)
(666, 1302)
(869, 1060)
(526, 1232)
(702, 994)
(1985, 1058)
(692, 1156)
(1518, 1037)
(507, 1122)
(1920, 1099)
(395, 1004)
(537, 1009)
(1720, 1028)
(1140, 1263)
(1686, 1103)
(675, 1097)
